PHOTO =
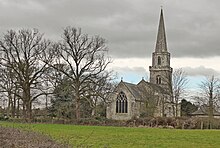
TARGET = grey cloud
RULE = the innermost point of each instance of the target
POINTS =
(135, 70)
(200, 71)
(129, 26)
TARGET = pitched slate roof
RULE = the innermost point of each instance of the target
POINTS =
(147, 85)
(143, 89)
(203, 110)
(135, 91)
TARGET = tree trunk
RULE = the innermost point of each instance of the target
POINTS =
(94, 106)
(77, 97)
(13, 108)
(93, 112)
(18, 108)
(24, 110)
(28, 102)
(176, 109)
(201, 124)
(77, 108)
(46, 103)
(9, 104)
(211, 108)
(29, 111)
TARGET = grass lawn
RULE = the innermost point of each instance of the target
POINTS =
(125, 137)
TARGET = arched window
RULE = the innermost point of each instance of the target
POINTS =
(159, 60)
(121, 103)
(158, 80)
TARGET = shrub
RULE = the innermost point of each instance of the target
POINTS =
(3, 117)
(18, 120)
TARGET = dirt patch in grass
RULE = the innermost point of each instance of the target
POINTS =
(15, 138)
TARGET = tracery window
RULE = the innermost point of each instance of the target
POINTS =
(158, 80)
(121, 103)
(159, 60)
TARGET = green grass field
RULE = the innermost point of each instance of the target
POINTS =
(100, 136)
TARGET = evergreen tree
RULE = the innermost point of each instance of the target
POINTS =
(187, 108)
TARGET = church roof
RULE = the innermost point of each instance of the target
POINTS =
(203, 110)
(161, 44)
(133, 89)
(143, 89)
(148, 85)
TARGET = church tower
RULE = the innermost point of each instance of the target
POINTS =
(160, 71)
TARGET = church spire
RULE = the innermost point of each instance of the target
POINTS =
(161, 44)
(160, 71)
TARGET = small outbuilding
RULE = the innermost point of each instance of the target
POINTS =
(203, 111)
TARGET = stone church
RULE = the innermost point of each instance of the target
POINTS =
(146, 98)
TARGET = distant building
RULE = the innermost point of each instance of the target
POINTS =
(203, 111)
(152, 98)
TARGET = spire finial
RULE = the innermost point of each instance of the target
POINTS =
(121, 79)
(161, 6)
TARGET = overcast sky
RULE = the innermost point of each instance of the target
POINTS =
(130, 28)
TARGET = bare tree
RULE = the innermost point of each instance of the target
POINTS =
(175, 88)
(22, 52)
(83, 59)
(9, 89)
(179, 83)
(98, 91)
(210, 91)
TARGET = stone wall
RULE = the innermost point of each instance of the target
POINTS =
(133, 107)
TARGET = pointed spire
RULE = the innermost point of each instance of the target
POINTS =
(161, 44)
